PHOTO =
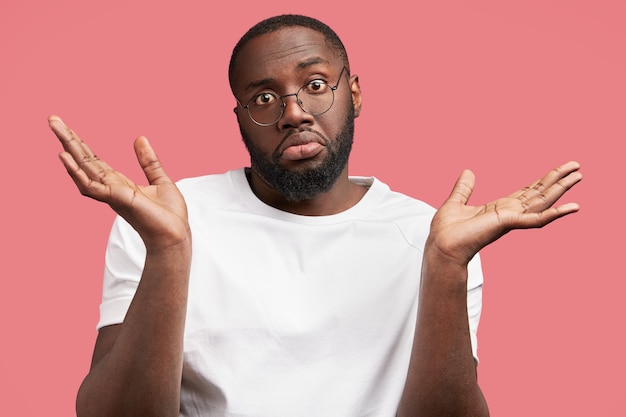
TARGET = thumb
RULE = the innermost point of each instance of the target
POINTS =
(463, 187)
(149, 162)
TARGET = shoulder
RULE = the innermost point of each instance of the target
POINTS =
(212, 191)
(200, 185)
(387, 202)
(410, 215)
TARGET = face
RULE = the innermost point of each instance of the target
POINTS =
(300, 156)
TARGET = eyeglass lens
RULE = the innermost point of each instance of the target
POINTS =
(314, 98)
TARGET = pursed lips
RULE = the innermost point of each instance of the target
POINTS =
(301, 144)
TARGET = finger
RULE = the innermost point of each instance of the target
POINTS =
(547, 198)
(540, 219)
(87, 160)
(69, 139)
(149, 162)
(545, 192)
(463, 187)
(555, 175)
(547, 181)
(87, 186)
(79, 150)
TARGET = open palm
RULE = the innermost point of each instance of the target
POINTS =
(157, 211)
(459, 231)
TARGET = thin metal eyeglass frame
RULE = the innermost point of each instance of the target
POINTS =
(283, 104)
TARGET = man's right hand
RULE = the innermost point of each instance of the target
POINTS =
(157, 211)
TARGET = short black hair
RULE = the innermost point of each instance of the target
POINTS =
(275, 23)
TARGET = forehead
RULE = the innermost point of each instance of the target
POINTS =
(283, 53)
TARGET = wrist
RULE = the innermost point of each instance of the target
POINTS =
(177, 245)
(446, 254)
(443, 266)
(173, 238)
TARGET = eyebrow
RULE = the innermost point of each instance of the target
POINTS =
(301, 66)
(312, 61)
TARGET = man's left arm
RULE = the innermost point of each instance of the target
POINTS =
(442, 379)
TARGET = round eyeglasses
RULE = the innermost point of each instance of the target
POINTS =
(315, 97)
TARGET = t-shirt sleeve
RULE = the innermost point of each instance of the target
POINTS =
(474, 300)
(124, 261)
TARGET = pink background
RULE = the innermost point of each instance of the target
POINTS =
(508, 89)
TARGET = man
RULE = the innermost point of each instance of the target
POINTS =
(303, 292)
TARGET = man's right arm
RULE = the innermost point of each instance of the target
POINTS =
(137, 365)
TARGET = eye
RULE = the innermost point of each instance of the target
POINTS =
(264, 99)
(316, 87)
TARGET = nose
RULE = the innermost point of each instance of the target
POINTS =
(293, 115)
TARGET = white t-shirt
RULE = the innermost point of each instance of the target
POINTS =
(289, 315)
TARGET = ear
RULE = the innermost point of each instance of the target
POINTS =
(357, 99)
(236, 111)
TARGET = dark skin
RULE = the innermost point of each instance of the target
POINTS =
(278, 63)
(137, 366)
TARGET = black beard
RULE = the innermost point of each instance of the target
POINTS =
(299, 186)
